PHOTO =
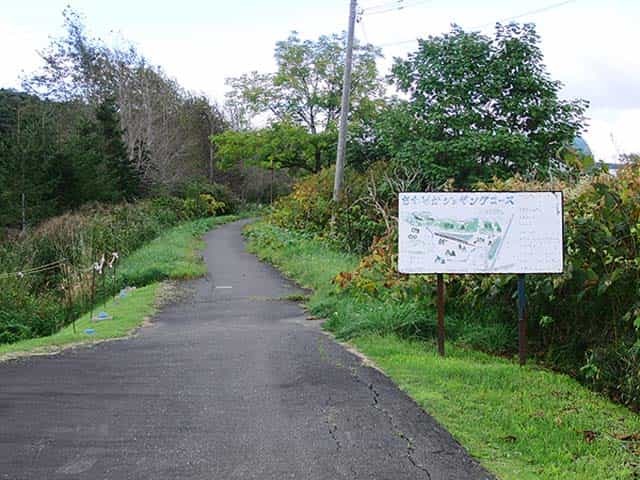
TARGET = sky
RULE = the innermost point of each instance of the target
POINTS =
(589, 45)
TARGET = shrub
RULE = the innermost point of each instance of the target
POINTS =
(217, 195)
(352, 224)
(25, 315)
(584, 321)
(36, 304)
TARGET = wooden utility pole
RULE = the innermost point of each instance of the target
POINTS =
(210, 119)
(344, 108)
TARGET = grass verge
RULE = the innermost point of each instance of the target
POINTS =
(128, 313)
(520, 423)
(172, 256)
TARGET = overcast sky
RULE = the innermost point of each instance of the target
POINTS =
(589, 45)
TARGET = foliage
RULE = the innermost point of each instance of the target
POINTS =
(29, 160)
(586, 320)
(218, 196)
(307, 86)
(281, 145)
(41, 303)
(127, 315)
(478, 107)
(54, 157)
(164, 127)
(310, 207)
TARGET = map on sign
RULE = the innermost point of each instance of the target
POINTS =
(480, 232)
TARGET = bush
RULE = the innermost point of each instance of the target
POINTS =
(24, 315)
(584, 322)
(219, 199)
(352, 224)
(40, 303)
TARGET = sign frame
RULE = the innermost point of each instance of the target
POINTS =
(521, 293)
(559, 193)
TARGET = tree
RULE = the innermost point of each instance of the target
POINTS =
(55, 156)
(28, 130)
(114, 150)
(281, 145)
(478, 107)
(306, 88)
(164, 127)
(90, 162)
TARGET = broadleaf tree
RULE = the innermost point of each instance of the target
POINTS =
(165, 127)
(306, 87)
(280, 145)
(478, 107)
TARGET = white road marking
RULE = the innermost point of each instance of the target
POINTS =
(223, 287)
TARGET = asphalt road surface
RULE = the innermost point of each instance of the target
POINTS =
(231, 383)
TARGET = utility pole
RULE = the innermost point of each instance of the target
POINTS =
(344, 108)
(210, 119)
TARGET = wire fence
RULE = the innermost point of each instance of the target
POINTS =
(94, 287)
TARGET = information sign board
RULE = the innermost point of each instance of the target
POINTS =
(480, 232)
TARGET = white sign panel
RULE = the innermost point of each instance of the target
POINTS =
(480, 232)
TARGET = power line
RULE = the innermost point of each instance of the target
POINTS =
(382, 5)
(390, 7)
(98, 266)
(508, 19)
(360, 23)
(525, 14)
(38, 269)
(389, 44)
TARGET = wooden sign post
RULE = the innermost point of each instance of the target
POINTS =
(481, 233)
(522, 320)
(440, 288)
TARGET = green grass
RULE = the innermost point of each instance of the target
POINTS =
(173, 255)
(520, 423)
(128, 313)
(300, 257)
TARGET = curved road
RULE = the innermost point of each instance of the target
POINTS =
(233, 383)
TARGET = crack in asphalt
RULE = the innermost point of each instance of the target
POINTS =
(375, 403)
(333, 428)
(411, 448)
(331, 424)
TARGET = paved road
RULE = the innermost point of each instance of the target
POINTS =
(233, 383)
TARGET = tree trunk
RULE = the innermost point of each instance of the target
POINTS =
(210, 161)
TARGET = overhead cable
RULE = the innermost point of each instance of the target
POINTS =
(504, 20)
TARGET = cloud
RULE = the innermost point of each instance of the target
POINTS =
(19, 53)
